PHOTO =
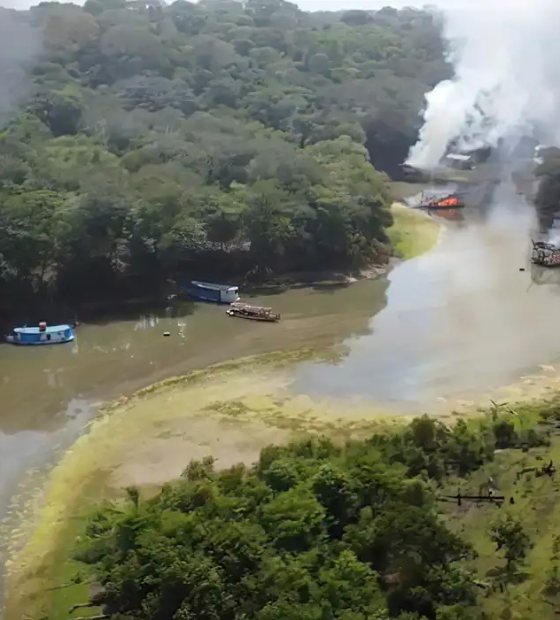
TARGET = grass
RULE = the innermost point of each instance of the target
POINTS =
(51, 587)
(536, 503)
(413, 232)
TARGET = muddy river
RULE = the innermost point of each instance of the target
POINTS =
(451, 326)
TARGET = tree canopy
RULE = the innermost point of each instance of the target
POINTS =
(218, 136)
(313, 530)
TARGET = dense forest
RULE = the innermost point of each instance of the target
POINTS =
(320, 531)
(143, 140)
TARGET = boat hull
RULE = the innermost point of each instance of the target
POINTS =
(39, 343)
(200, 296)
(213, 293)
(251, 317)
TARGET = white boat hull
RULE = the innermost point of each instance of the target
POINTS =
(15, 341)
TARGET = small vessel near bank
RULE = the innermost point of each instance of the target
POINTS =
(253, 313)
(206, 291)
(545, 254)
(434, 202)
(41, 335)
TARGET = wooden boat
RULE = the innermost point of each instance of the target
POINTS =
(545, 254)
(206, 291)
(40, 335)
(253, 313)
(450, 201)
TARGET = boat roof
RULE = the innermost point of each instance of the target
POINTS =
(249, 307)
(50, 329)
(216, 287)
(458, 157)
(546, 245)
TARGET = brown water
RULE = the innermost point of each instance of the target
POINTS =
(451, 325)
(47, 394)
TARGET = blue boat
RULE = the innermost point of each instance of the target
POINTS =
(43, 334)
(217, 293)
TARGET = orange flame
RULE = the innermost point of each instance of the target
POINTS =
(448, 202)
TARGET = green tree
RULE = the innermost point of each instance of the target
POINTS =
(510, 536)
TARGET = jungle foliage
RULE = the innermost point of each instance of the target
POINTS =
(142, 140)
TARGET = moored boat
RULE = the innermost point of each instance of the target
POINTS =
(42, 334)
(253, 313)
(216, 293)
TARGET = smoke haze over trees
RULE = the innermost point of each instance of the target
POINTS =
(506, 81)
(202, 137)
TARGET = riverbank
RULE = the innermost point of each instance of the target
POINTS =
(147, 439)
(412, 233)
(230, 412)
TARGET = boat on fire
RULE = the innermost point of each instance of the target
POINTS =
(545, 254)
(432, 201)
(253, 313)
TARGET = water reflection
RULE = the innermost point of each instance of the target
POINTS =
(549, 276)
(451, 215)
(29, 449)
(459, 321)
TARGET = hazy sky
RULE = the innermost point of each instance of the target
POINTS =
(308, 5)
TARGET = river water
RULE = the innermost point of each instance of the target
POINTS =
(450, 325)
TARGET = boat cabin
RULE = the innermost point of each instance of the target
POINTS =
(459, 161)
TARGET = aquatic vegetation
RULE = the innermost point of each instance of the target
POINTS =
(231, 411)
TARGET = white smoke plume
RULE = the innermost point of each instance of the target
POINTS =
(506, 78)
(20, 47)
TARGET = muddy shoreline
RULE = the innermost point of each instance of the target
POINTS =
(229, 411)
(116, 307)
(101, 461)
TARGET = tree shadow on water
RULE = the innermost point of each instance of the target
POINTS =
(101, 314)
(161, 309)
(268, 290)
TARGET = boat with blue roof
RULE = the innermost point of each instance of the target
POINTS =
(206, 291)
(41, 335)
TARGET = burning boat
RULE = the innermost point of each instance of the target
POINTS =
(545, 254)
(431, 200)
(449, 201)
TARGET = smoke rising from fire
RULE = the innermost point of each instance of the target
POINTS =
(506, 78)
(20, 46)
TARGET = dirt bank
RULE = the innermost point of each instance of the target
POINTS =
(413, 233)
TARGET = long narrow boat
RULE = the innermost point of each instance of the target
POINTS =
(253, 313)
(41, 335)
(206, 291)
(431, 201)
